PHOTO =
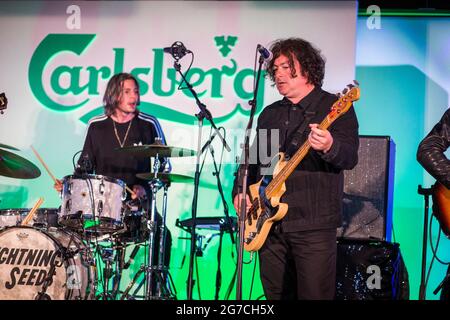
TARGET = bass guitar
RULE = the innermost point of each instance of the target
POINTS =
(265, 195)
(441, 198)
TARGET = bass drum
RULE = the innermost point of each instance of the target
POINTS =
(27, 257)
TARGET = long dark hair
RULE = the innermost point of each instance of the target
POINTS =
(311, 61)
(114, 90)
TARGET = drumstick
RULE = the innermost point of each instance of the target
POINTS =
(131, 191)
(32, 211)
(45, 166)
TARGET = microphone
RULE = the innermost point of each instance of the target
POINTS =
(265, 53)
(177, 50)
(208, 142)
(131, 258)
(85, 163)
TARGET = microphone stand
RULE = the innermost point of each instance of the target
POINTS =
(426, 192)
(229, 222)
(243, 184)
(228, 225)
(204, 113)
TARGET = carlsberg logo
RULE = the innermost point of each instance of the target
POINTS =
(52, 94)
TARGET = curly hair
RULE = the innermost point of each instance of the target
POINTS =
(311, 61)
(113, 92)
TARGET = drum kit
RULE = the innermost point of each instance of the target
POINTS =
(78, 250)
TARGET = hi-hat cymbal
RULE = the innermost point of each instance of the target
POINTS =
(151, 150)
(166, 177)
(14, 166)
(5, 146)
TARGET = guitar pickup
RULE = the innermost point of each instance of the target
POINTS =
(250, 237)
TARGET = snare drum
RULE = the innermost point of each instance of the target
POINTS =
(92, 203)
(43, 217)
(27, 256)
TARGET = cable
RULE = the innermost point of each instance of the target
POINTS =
(223, 148)
(433, 249)
(254, 69)
(73, 159)
(182, 78)
(253, 279)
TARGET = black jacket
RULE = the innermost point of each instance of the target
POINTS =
(314, 190)
(430, 153)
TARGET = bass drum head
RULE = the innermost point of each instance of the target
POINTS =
(27, 256)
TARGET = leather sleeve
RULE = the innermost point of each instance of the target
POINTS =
(430, 153)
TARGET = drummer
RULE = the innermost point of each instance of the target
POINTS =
(122, 125)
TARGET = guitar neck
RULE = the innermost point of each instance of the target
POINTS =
(290, 166)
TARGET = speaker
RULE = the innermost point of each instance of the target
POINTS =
(370, 270)
(368, 191)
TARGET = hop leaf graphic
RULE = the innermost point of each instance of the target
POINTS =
(225, 44)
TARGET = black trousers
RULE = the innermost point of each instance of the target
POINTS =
(299, 265)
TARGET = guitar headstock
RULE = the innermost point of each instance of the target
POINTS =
(343, 104)
(3, 102)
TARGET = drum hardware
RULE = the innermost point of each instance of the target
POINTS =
(166, 178)
(152, 269)
(107, 256)
(156, 278)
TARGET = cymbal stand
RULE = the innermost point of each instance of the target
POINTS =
(426, 192)
(119, 266)
(155, 184)
(107, 256)
(164, 282)
(162, 290)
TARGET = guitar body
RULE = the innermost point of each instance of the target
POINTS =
(441, 197)
(258, 224)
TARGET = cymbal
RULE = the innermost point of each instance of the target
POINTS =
(14, 166)
(166, 177)
(5, 146)
(151, 150)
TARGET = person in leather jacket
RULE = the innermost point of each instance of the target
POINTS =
(430, 153)
(298, 258)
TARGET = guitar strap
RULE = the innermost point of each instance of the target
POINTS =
(297, 136)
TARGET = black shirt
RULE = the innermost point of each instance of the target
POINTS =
(314, 190)
(101, 144)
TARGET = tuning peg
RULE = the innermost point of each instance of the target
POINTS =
(345, 91)
(356, 83)
(350, 86)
